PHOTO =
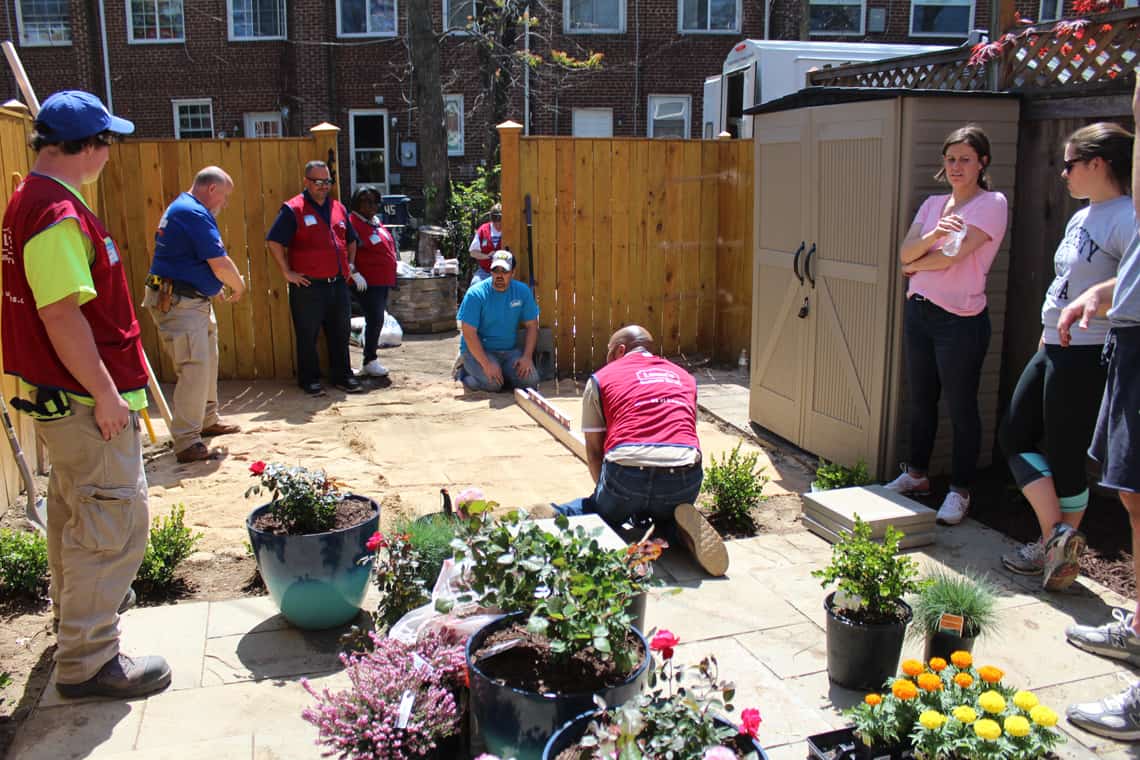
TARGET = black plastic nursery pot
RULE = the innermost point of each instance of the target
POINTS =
(513, 722)
(942, 644)
(842, 744)
(316, 579)
(863, 656)
(571, 731)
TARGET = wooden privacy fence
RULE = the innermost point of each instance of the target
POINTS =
(633, 231)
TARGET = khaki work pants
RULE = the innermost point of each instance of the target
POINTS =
(97, 532)
(189, 335)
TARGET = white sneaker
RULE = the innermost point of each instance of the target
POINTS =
(954, 508)
(374, 369)
(909, 484)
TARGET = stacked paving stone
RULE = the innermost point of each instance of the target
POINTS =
(424, 304)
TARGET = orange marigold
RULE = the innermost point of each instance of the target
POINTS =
(904, 689)
(912, 667)
(990, 674)
(965, 680)
(873, 699)
(961, 659)
(929, 682)
(937, 664)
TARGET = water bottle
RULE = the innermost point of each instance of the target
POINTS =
(742, 363)
(953, 242)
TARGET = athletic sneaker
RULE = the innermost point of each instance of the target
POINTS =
(954, 508)
(909, 484)
(701, 539)
(1115, 717)
(1116, 639)
(1027, 559)
(1062, 557)
(374, 369)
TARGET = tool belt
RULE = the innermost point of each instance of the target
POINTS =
(165, 289)
(50, 403)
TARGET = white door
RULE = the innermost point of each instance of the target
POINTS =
(368, 148)
(593, 122)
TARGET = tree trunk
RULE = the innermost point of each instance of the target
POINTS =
(805, 19)
(428, 98)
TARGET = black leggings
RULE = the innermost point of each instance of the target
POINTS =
(1050, 420)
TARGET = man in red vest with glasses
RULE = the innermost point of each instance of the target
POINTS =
(639, 416)
(71, 338)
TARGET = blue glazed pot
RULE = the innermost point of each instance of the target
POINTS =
(511, 722)
(572, 731)
(315, 579)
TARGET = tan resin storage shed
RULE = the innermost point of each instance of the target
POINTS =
(840, 174)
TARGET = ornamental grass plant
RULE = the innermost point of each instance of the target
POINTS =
(972, 596)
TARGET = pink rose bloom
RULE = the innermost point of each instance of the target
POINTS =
(375, 541)
(467, 496)
(663, 641)
(750, 722)
(719, 753)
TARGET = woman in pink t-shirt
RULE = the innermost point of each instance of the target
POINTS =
(946, 255)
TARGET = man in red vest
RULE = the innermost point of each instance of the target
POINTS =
(321, 250)
(639, 416)
(71, 338)
(487, 240)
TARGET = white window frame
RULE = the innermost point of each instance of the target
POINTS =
(681, 20)
(395, 22)
(575, 111)
(688, 101)
(230, 23)
(456, 101)
(354, 112)
(177, 102)
(969, 25)
(24, 42)
(251, 118)
(1041, 11)
(862, 18)
(566, 28)
(447, 15)
(158, 40)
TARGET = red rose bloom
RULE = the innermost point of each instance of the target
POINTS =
(257, 467)
(663, 642)
(750, 722)
(376, 541)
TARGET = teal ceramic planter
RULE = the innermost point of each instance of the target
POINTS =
(316, 580)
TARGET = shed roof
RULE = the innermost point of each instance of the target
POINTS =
(828, 96)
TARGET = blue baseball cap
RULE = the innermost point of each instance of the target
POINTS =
(75, 115)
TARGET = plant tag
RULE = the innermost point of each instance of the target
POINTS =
(950, 623)
(500, 648)
(847, 601)
(421, 663)
(405, 712)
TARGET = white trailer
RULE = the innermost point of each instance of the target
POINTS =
(757, 71)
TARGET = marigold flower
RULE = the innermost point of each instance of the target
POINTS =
(257, 467)
(965, 714)
(904, 689)
(931, 719)
(991, 702)
(961, 659)
(750, 722)
(1026, 700)
(990, 674)
(912, 667)
(1016, 725)
(930, 682)
(1043, 716)
(987, 729)
(937, 664)
(873, 699)
(663, 642)
(965, 680)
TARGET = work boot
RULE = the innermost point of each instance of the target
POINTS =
(220, 428)
(194, 453)
(122, 677)
(128, 601)
(701, 539)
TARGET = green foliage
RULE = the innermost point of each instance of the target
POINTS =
(872, 572)
(831, 475)
(23, 563)
(736, 486)
(399, 577)
(5, 682)
(973, 598)
(431, 538)
(467, 207)
(303, 500)
(170, 542)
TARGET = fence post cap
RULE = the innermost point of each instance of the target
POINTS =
(508, 124)
(324, 126)
(724, 136)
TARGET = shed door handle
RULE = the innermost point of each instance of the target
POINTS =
(807, 266)
(796, 262)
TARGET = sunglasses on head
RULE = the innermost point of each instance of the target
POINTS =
(105, 138)
(320, 182)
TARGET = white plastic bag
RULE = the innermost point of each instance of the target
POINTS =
(391, 334)
(464, 619)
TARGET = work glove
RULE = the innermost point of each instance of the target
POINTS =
(359, 282)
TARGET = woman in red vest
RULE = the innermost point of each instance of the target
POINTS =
(374, 272)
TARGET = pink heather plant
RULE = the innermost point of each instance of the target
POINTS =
(363, 722)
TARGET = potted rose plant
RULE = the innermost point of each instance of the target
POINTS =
(308, 542)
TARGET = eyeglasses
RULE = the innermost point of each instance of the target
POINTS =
(320, 182)
(496, 217)
(106, 138)
(1070, 164)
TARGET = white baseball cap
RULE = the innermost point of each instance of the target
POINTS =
(503, 260)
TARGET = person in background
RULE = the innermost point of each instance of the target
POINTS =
(1057, 398)
(490, 316)
(946, 255)
(486, 241)
(373, 272)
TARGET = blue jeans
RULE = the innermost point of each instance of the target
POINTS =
(639, 493)
(476, 379)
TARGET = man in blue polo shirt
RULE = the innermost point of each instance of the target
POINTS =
(190, 267)
(490, 315)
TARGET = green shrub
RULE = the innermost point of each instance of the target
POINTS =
(5, 682)
(431, 538)
(831, 475)
(736, 485)
(170, 542)
(23, 563)
(467, 206)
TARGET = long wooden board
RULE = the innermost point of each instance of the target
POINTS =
(534, 404)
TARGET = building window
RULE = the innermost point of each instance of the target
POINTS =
(458, 14)
(836, 17)
(193, 118)
(263, 124)
(708, 15)
(941, 18)
(1050, 10)
(453, 120)
(594, 16)
(669, 115)
(44, 22)
(592, 122)
(155, 21)
(366, 18)
(257, 19)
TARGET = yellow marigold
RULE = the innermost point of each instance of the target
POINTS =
(1016, 725)
(965, 680)
(933, 719)
(937, 664)
(990, 674)
(987, 729)
(1026, 700)
(929, 682)
(873, 699)
(912, 667)
(1043, 716)
(961, 659)
(991, 702)
(965, 714)
(904, 689)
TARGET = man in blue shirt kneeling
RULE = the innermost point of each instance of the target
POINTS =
(490, 315)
